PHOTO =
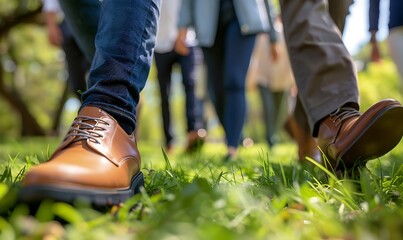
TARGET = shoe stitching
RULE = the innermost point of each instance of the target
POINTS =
(87, 128)
(342, 114)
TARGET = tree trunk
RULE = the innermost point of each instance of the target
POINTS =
(8, 22)
(29, 125)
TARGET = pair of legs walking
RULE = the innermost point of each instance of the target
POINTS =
(165, 63)
(99, 161)
(227, 65)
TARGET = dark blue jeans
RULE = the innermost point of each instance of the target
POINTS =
(124, 41)
(227, 64)
(77, 65)
(164, 63)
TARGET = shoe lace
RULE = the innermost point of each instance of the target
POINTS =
(342, 114)
(84, 128)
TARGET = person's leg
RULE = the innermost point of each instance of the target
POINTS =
(98, 161)
(297, 127)
(200, 88)
(280, 99)
(193, 112)
(300, 116)
(327, 87)
(164, 63)
(122, 59)
(214, 59)
(77, 65)
(269, 118)
(82, 18)
(323, 69)
(339, 9)
(395, 40)
(238, 51)
(188, 68)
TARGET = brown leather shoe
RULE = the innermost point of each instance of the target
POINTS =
(349, 139)
(97, 162)
(307, 145)
(196, 140)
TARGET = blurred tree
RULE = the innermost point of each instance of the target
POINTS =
(26, 63)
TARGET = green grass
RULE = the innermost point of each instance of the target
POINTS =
(260, 196)
(264, 194)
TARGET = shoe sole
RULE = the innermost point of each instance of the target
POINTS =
(370, 144)
(96, 197)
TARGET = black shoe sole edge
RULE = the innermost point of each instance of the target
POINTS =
(96, 197)
(386, 120)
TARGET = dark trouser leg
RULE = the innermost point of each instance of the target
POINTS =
(188, 67)
(77, 65)
(164, 63)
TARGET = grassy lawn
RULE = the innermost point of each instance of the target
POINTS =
(264, 194)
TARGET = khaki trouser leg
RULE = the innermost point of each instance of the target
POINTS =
(323, 69)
